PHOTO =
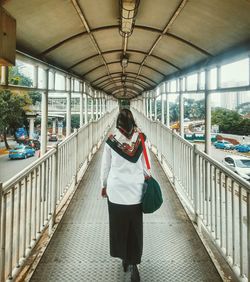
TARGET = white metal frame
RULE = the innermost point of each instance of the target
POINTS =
(217, 198)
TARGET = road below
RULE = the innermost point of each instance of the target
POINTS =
(9, 168)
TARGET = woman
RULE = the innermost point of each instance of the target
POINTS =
(123, 173)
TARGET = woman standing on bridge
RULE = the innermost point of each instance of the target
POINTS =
(123, 173)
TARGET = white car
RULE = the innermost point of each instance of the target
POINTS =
(238, 164)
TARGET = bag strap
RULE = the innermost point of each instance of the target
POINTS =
(144, 151)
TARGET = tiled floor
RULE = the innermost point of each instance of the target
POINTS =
(79, 250)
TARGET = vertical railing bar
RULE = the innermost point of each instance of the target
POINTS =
(35, 204)
(30, 208)
(25, 218)
(241, 230)
(39, 198)
(11, 235)
(19, 187)
(207, 186)
(3, 236)
(217, 177)
(248, 234)
(221, 214)
(226, 214)
(233, 224)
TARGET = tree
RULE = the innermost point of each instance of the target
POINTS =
(17, 78)
(230, 121)
(12, 112)
(35, 97)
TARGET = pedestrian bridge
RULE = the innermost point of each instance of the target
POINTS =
(55, 223)
(96, 57)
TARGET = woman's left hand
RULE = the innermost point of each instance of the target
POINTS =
(104, 192)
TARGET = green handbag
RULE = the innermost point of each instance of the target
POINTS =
(152, 196)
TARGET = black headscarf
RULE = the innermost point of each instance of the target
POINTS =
(126, 123)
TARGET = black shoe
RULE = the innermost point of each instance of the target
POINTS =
(135, 276)
(125, 266)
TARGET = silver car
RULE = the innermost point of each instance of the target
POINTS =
(238, 164)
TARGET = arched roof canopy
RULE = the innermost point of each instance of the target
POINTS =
(169, 37)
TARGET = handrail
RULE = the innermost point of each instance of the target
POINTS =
(30, 201)
(217, 198)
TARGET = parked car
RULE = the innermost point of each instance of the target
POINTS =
(53, 138)
(222, 144)
(21, 152)
(243, 148)
(238, 164)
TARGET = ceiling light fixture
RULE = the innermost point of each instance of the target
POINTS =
(124, 61)
(128, 11)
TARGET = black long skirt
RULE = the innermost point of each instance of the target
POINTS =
(126, 232)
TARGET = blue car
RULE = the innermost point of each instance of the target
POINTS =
(222, 144)
(21, 152)
(243, 148)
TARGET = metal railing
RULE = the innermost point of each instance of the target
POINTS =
(217, 198)
(31, 200)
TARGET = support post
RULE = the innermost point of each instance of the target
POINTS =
(81, 106)
(92, 108)
(162, 105)
(86, 108)
(195, 188)
(181, 107)
(155, 101)
(167, 106)
(68, 119)
(150, 108)
(35, 77)
(44, 120)
(31, 127)
(54, 126)
(54, 189)
(207, 112)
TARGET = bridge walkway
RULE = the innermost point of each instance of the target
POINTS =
(79, 249)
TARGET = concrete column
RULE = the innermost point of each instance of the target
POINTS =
(181, 107)
(44, 119)
(207, 112)
(68, 111)
(4, 75)
(31, 127)
(81, 107)
(60, 129)
(54, 126)
(35, 80)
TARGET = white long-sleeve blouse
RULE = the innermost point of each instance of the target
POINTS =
(122, 178)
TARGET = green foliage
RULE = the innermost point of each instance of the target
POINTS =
(35, 97)
(193, 109)
(12, 111)
(230, 121)
(17, 78)
(75, 121)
